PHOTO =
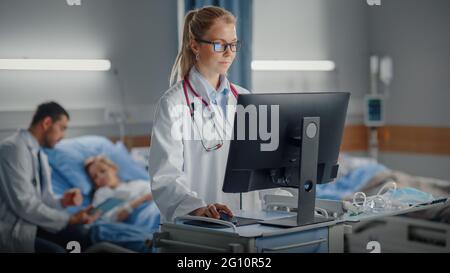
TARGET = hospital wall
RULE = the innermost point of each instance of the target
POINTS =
(139, 37)
(414, 33)
(313, 30)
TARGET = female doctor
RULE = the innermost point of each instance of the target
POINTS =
(187, 174)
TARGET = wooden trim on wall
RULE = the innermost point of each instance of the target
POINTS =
(415, 139)
(134, 141)
(392, 138)
(355, 138)
(399, 138)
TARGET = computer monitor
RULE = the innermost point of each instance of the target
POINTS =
(309, 128)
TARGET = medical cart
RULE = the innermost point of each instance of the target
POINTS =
(326, 237)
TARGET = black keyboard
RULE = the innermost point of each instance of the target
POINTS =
(241, 221)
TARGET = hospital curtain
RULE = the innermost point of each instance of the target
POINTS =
(240, 71)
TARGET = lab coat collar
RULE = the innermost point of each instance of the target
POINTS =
(204, 88)
(30, 140)
(201, 86)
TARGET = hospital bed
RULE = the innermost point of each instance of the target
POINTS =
(400, 234)
(427, 230)
(67, 164)
(424, 231)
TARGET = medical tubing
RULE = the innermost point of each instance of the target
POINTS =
(378, 196)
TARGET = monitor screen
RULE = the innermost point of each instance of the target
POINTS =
(271, 159)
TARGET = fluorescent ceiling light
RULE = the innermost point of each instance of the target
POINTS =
(56, 64)
(291, 65)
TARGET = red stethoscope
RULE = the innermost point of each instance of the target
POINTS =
(205, 103)
(186, 81)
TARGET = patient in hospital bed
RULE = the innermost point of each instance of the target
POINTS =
(107, 184)
(360, 174)
(130, 226)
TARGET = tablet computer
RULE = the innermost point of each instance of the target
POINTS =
(108, 205)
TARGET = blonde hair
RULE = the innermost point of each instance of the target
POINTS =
(196, 23)
(99, 159)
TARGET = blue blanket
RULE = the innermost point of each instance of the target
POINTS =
(131, 234)
(350, 183)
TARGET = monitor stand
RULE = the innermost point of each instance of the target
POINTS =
(309, 153)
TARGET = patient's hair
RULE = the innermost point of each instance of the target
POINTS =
(98, 159)
(49, 109)
(196, 23)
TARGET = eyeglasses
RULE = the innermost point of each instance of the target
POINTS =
(221, 46)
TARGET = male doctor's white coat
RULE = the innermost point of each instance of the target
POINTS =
(184, 176)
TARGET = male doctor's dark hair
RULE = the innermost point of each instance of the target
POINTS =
(49, 109)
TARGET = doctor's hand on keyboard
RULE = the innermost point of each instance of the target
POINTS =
(213, 211)
(225, 217)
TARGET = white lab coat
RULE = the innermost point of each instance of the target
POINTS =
(184, 176)
(23, 205)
